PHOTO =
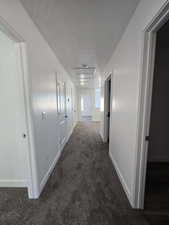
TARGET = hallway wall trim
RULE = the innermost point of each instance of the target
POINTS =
(48, 173)
(53, 164)
(70, 133)
(121, 178)
(13, 183)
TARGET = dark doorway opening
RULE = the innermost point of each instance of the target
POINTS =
(109, 105)
(107, 108)
(157, 178)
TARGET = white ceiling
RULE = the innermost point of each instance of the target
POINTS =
(81, 31)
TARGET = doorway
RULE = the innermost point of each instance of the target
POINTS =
(17, 162)
(107, 108)
(157, 182)
(152, 160)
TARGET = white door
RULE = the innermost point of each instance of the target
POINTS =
(69, 109)
(61, 100)
(86, 105)
(13, 131)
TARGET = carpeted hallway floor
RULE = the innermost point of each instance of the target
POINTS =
(82, 190)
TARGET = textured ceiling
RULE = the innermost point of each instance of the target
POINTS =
(81, 31)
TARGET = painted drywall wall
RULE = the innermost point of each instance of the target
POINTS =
(42, 68)
(13, 148)
(159, 123)
(126, 67)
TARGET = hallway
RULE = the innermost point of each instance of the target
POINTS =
(82, 190)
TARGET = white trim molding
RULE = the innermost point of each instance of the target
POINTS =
(53, 164)
(121, 178)
(50, 170)
(13, 183)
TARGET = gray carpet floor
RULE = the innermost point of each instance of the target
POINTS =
(82, 190)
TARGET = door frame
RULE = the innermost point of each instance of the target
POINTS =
(145, 98)
(106, 94)
(62, 115)
(32, 185)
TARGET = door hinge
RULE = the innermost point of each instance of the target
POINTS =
(108, 114)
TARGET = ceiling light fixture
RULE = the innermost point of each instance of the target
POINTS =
(82, 75)
(83, 79)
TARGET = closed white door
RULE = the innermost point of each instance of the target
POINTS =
(86, 105)
(61, 100)
(13, 131)
(69, 108)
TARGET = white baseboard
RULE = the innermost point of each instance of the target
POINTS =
(122, 180)
(70, 133)
(13, 183)
(47, 175)
(67, 138)
(101, 135)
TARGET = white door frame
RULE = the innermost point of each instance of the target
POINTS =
(146, 86)
(32, 186)
(106, 93)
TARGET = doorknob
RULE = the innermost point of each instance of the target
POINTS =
(24, 135)
(147, 138)
(66, 116)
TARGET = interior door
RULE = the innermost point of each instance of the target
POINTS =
(108, 109)
(86, 105)
(72, 107)
(69, 108)
(13, 132)
(158, 134)
(61, 100)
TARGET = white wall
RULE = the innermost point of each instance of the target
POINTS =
(126, 66)
(42, 65)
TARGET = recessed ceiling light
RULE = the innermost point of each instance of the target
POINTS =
(83, 79)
